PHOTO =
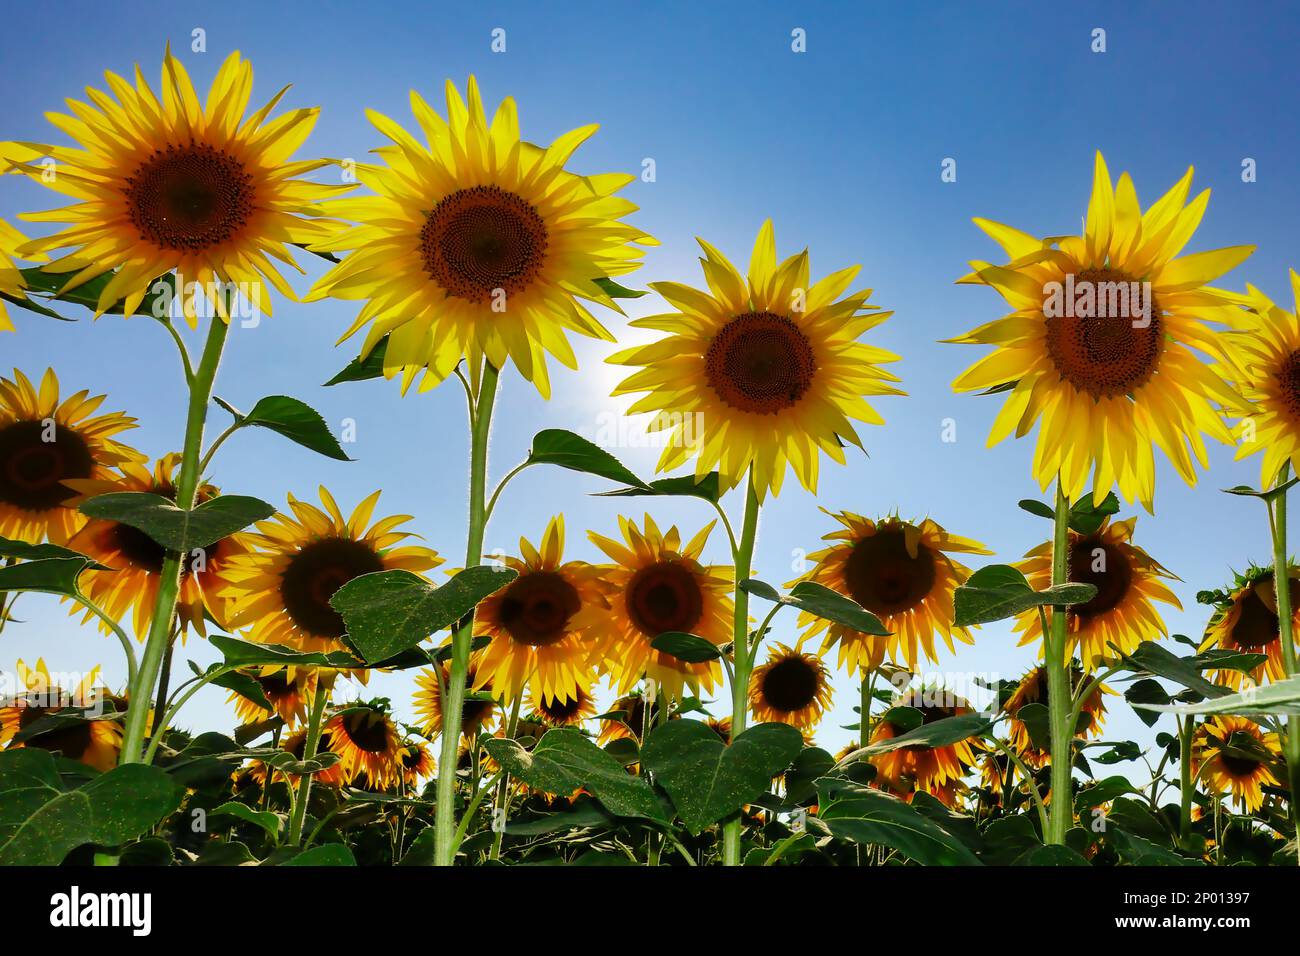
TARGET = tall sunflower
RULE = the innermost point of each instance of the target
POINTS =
(791, 688)
(1247, 621)
(1234, 755)
(1032, 689)
(478, 243)
(759, 371)
(178, 185)
(656, 586)
(935, 770)
(1107, 375)
(135, 560)
(1127, 579)
(94, 742)
(281, 589)
(542, 624)
(477, 714)
(901, 572)
(45, 442)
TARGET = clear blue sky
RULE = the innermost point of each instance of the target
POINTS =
(840, 145)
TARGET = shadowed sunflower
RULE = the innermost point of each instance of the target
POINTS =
(176, 185)
(1099, 345)
(657, 586)
(1234, 755)
(899, 571)
(478, 244)
(542, 624)
(759, 371)
(1247, 621)
(417, 763)
(296, 744)
(477, 715)
(281, 590)
(564, 711)
(720, 726)
(44, 443)
(625, 719)
(136, 559)
(287, 689)
(791, 688)
(94, 742)
(367, 742)
(1127, 579)
(935, 770)
(1033, 690)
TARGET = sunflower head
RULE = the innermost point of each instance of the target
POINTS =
(1246, 620)
(11, 280)
(935, 770)
(477, 714)
(1032, 689)
(1234, 755)
(367, 742)
(287, 689)
(759, 371)
(790, 688)
(564, 711)
(626, 718)
(720, 726)
(95, 739)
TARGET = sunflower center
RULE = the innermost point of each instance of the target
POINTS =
(1237, 765)
(1257, 624)
(560, 711)
(664, 597)
(1104, 566)
(315, 573)
(32, 470)
(790, 685)
(72, 741)
(1109, 348)
(760, 362)
(884, 578)
(537, 606)
(483, 239)
(189, 198)
(367, 731)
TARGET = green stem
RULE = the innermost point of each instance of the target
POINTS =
(1044, 819)
(503, 785)
(1185, 785)
(140, 695)
(1059, 692)
(309, 749)
(1282, 590)
(743, 559)
(454, 701)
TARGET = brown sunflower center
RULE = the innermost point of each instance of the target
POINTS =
(760, 362)
(481, 239)
(537, 606)
(315, 573)
(1112, 349)
(366, 730)
(1257, 624)
(1106, 567)
(1288, 384)
(884, 578)
(790, 684)
(32, 470)
(190, 198)
(664, 597)
(72, 740)
(561, 711)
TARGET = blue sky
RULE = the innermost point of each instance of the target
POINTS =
(841, 146)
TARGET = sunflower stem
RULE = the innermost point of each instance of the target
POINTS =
(1058, 688)
(503, 786)
(140, 691)
(309, 749)
(445, 811)
(743, 559)
(1185, 784)
(1282, 591)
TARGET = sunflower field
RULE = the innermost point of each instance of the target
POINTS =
(314, 677)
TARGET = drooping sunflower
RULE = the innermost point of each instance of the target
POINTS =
(1033, 690)
(280, 589)
(178, 185)
(759, 371)
(1099, 345)
(478, 244)
(287, 689)
(720, 726)
(656, 586)
(417, 763)
(135, 560)
(562, 711)
(95, 741)
(477, 714)
(901, 572)
(790, 688)
(1247, 621)
(1234, 755)
(1127, 579)
(367, 742)
(935, 770)
(45, 442)
(542, 624)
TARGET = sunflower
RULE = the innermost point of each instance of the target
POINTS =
(791, 688)
(367, 742)
(287, 689)
(1247, 621)
(759, 371)
(94, 741)
(135, 560)
(899, 571)
(11, 280)
(175, 185)
(1234, 755)
(626, 719)
(657, 586)
(280, 590)
(296, 744)
(417, 763)
(1127, 579)
(478, 244)
(935, 770)
(564, 711)
(720, 726)
(1032, 689)
(45, 442)
(477, 715)
(1099, 343)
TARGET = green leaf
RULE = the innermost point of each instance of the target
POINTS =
(36, 552)
(684, 485)
(32, 305)
(554, 446)
(389, 611)
(1038, 508)
(175, 528)
(616, 291)
(327, 854)
(363, 369)
(1052, 856)
(1103, 791)
(239, 653)
(709, 780)
(686, 647)
(1153, 658)
(268, 821)
(1000, 591)
(1038, 721)
(295, 420)
(865, 816)
(1146, 691)
(1282, 697)
(1136, 851)
(1268, 495)
(587, 814)
(820, 601)
(87, 294)
(52, 575)
(564, 760)
(1086, 519)
(939, 733)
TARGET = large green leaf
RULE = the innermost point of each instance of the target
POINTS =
(564, 760)
(327, 854)
(295, 420)
(1153, 658)
(686, 485)
(554, 446)
(239, 653)
(939, 733)
(709, 780)
(37, 552)
(268, 821)
(1282, 697)
(690, 648)
(1000, 591)
(156, 302)
(1086, 518)
(175, 528)
(390, 611)
(820, 601)
(52, 575)
(866, 815)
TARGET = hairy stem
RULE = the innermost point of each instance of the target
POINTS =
(1058, 684)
